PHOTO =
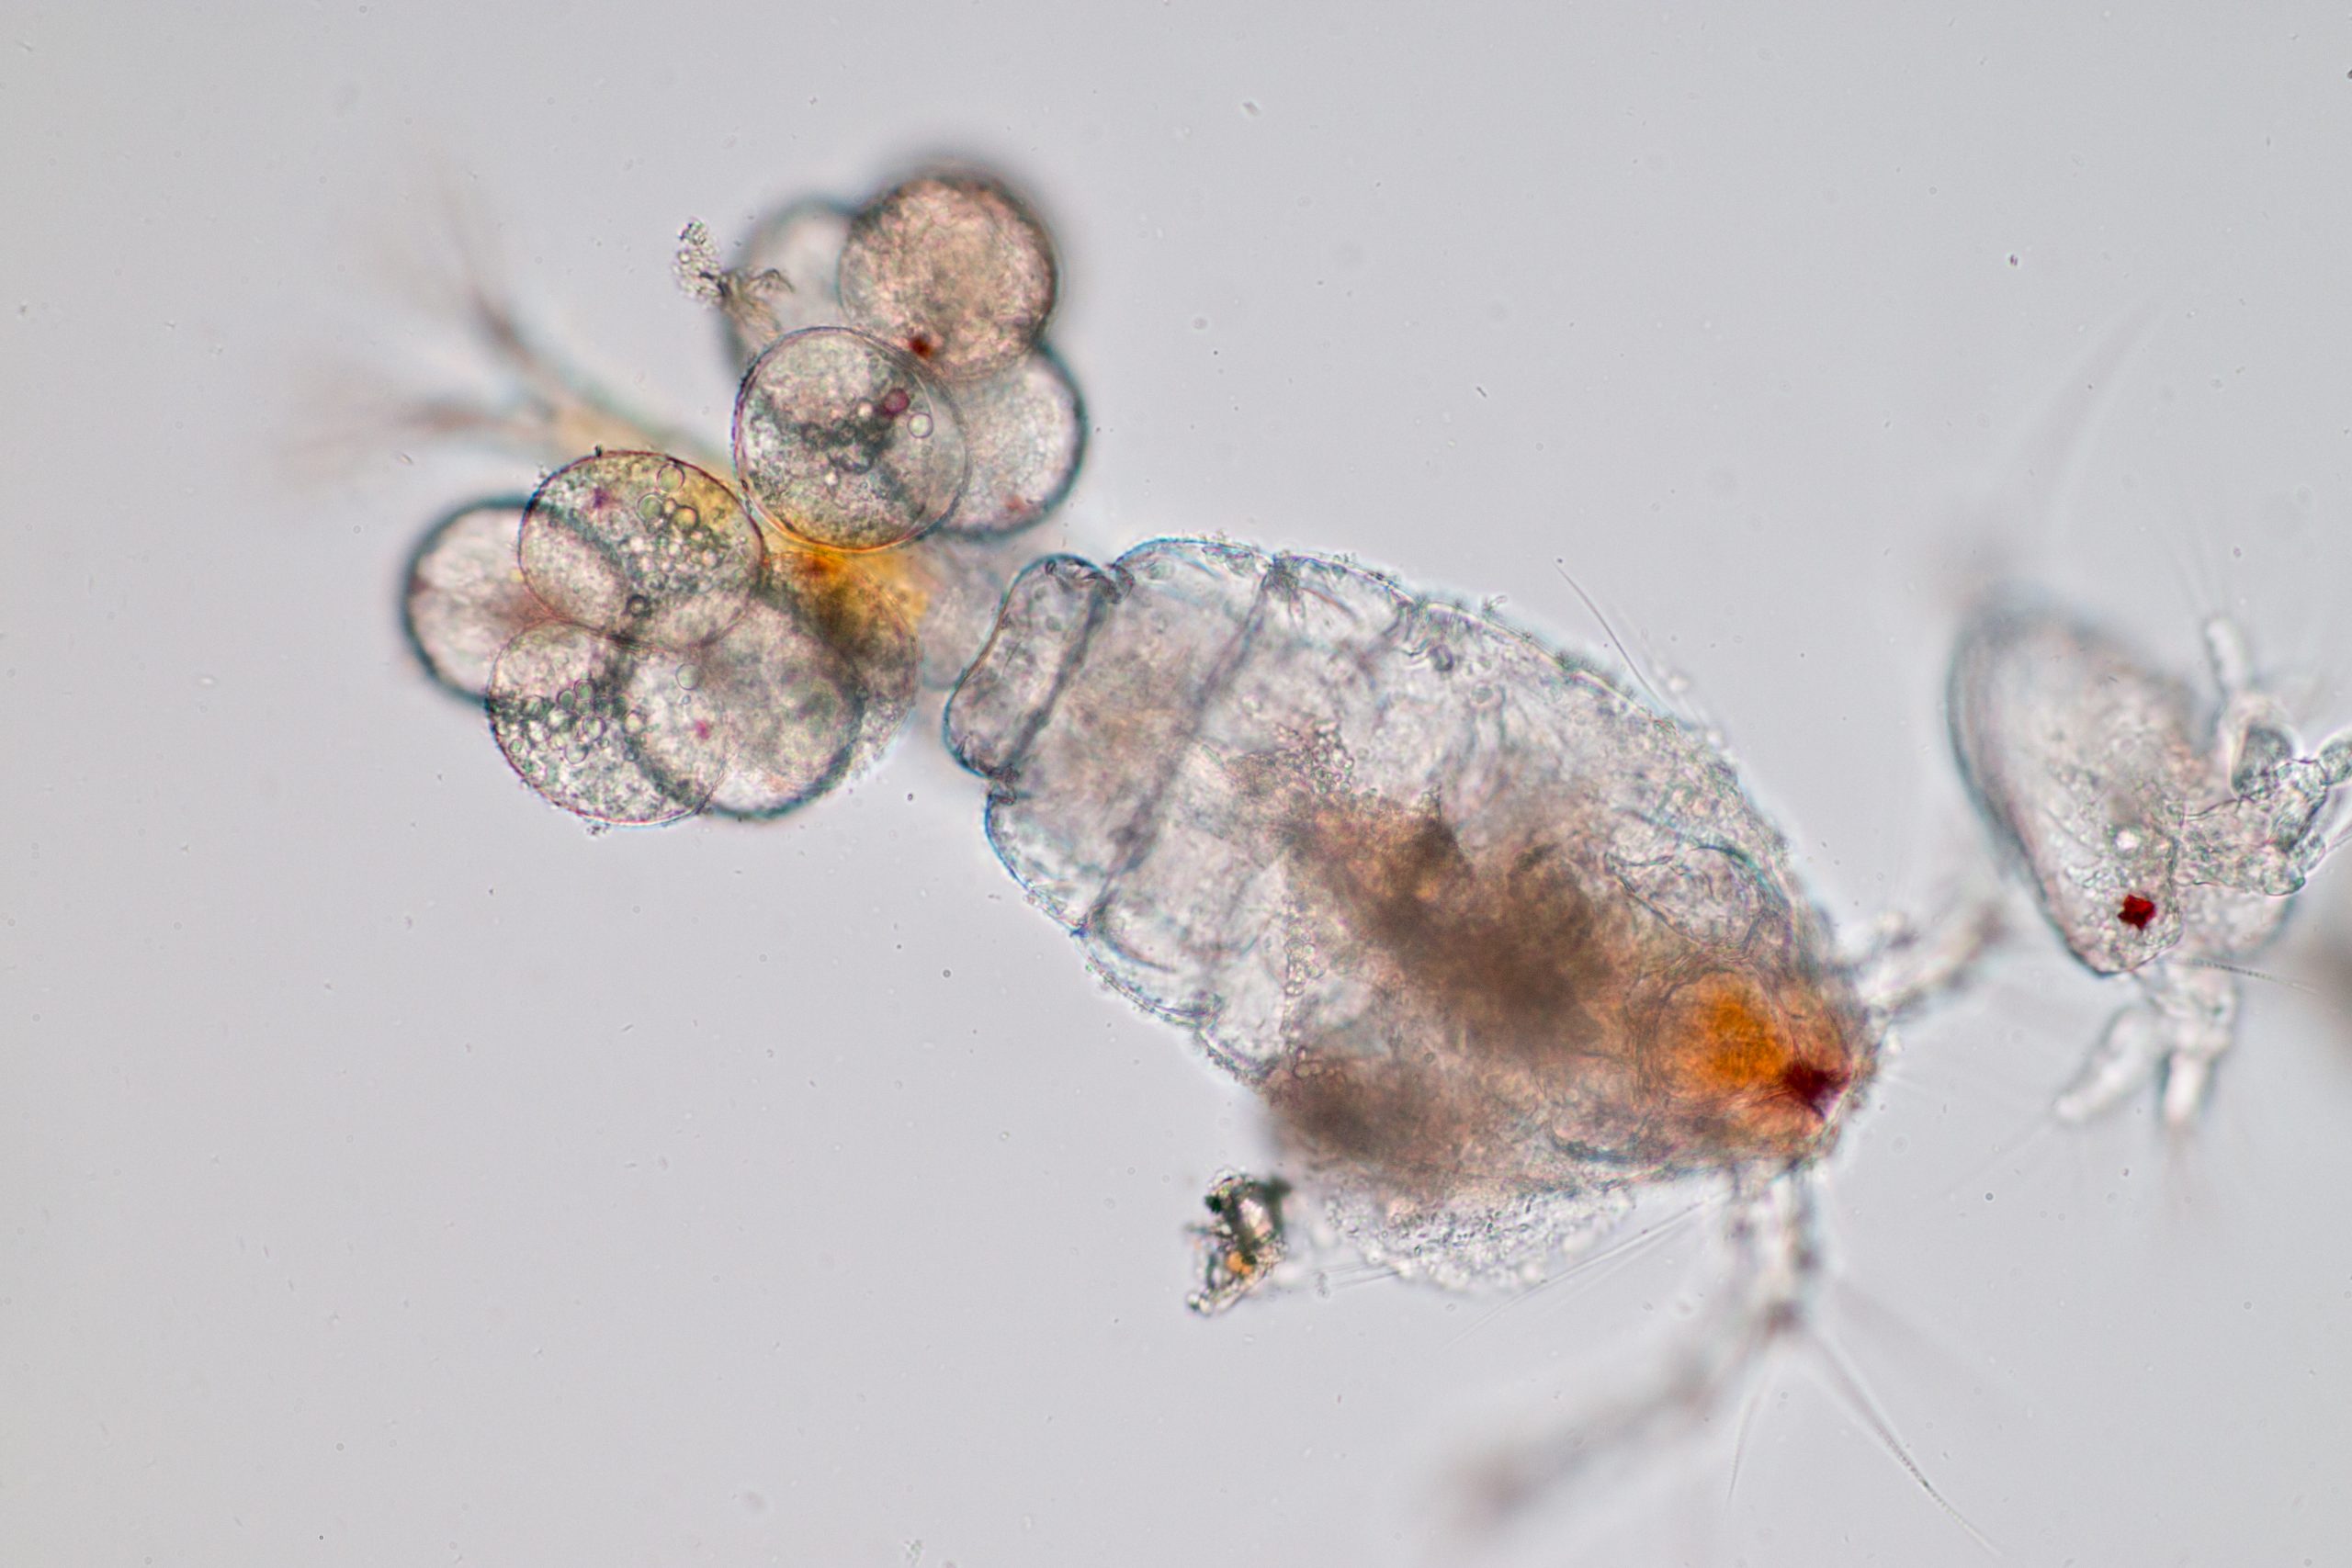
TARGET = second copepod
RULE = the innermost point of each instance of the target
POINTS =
(1497, 946)
(2163, 835)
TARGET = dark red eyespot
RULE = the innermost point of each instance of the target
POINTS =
(1814, 1087)
(2136, 912)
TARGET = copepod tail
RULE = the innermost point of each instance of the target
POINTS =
(1008, 694)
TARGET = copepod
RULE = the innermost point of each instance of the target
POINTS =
(2163, 835)
(1497, 946)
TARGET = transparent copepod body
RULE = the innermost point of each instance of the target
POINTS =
(1496, 944)
(2162, 834)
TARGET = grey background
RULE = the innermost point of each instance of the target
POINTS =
(391, 1173)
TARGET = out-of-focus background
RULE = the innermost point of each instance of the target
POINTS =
(392, 1173)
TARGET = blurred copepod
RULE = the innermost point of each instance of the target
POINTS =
(2163, 835)
(1498, 947)
(653, 641)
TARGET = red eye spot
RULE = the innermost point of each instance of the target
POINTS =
(923, 345)
(1814, 1087)
(2136, 912)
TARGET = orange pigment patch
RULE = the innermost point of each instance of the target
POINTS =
(1767, 1071)
(1526, 1025)
(847, 593)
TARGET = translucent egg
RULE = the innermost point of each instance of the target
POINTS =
(845, 443)
(952, 268)
(466, 598)
(642, 546)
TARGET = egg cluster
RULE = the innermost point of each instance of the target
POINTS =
(653, 641)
